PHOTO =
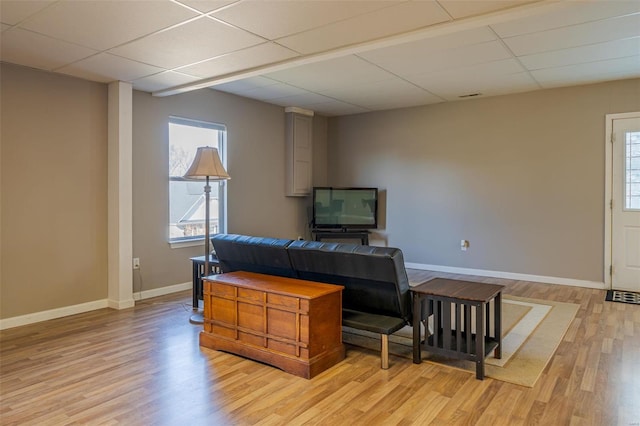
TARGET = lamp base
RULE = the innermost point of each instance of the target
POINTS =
(197, 318)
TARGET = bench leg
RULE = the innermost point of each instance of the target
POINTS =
(384, 350)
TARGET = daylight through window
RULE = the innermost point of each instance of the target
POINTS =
(632, 171)
(186, 197)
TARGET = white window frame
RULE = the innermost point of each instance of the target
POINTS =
(222, 194)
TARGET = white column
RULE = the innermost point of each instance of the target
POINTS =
(120, 195)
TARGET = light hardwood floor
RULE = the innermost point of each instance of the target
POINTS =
(143, 366)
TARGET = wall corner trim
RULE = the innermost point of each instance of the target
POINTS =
(508, 275)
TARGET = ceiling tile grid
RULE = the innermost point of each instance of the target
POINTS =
(444, 59)
(105, 67)
(153, 82)
(24, 47)
(407, 16)
(185, 44)
(332, 74)
(335, 57)
(570, 13)
(614, 69)
(238, 60)
(575, 35)
(105, 24)
(583, 54)
(16, 11)
(275, 19)
(206, 6)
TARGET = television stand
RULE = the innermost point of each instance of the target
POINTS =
(363, 236)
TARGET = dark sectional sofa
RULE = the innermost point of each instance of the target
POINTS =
(376, 293)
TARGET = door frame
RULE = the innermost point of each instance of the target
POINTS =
(608, 190)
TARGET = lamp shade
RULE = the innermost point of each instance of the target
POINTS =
(207, 163)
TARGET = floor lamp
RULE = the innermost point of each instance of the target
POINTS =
(206, 165)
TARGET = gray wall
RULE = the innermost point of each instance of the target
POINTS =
(53, 191)
(520, 176)
(255, 161)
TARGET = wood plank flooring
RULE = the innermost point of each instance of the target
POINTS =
(143, 366)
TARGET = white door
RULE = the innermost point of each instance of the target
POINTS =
(625, 212)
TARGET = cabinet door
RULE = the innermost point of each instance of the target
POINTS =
(299, 155)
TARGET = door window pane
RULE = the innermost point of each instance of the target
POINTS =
(632, 171)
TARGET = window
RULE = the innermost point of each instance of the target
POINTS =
(186, 197)
(632, 171)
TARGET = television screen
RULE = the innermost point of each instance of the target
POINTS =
(345, 208)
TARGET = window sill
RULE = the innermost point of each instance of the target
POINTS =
(186, 243)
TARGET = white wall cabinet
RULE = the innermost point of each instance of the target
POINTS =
(299, 143)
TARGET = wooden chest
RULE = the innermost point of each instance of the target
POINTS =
(292, 324)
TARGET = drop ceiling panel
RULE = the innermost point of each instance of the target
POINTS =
(464, 80)
(571, 13)
(583, 54)
(385, 22)
(382, 93)
(334, 73)
(241, 59)
(575, 35)
(37, 51)
(274, 91)
(107, 68)
(443, 59)
(192, 42)
(464, 8)
(95, 28)
(613, 69)
(162, 81)
(274, 19)
(485, 86)
(164, 44)
(305, 100)
(13, 12)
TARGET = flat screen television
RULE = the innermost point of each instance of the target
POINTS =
(345, 208)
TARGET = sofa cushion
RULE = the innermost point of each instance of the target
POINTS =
(253, 254)
(370, 322)
(374, 278)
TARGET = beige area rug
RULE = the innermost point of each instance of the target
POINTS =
(532, 331)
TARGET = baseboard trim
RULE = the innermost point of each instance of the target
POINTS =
(155, 292)
(90, 306)
(121, 304)
(52, 314)
(508, 275)
(147, 294)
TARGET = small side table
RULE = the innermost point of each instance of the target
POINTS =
(199, 272)
(452, 328)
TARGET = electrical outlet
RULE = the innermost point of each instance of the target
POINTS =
(136, 263)
(464, 245)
